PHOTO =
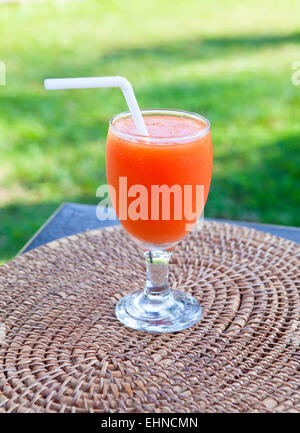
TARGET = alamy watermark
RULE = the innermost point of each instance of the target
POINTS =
(295, 78)
(2, 73)
(2, 333)
(152, 202)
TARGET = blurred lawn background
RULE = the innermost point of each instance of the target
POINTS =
(230, 61)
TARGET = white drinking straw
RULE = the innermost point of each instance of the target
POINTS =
(95, 82)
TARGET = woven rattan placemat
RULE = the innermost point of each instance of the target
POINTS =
(63, 350)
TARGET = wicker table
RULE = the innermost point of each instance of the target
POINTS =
(63, 350)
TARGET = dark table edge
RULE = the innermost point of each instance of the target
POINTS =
(254, 225)
(42, 227)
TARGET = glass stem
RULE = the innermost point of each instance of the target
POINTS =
(157, 264)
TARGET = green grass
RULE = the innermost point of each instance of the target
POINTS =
(230, 61)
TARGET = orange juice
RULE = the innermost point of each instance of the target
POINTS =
(178, 151)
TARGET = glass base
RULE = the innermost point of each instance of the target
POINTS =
(169, 312)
